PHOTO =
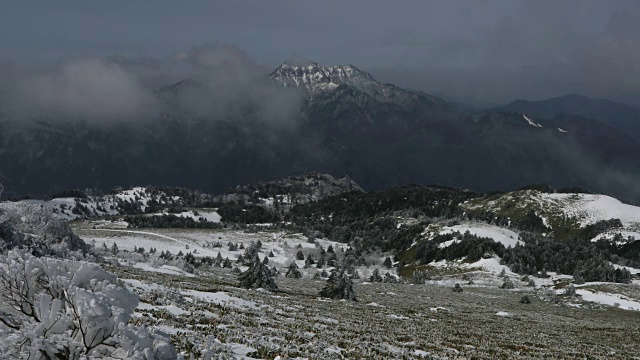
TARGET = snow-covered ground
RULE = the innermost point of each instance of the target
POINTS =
(164, 269)
(504, 236)
(610, 299)
(589, 209)
(559, 209)
(207, 214)
(204, 242)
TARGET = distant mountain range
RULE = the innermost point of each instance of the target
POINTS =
(347, 124)
(621, 116)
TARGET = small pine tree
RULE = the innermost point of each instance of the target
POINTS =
(257, 276)
(293, 272)
(300, 255)
(339, 286)
(507, 284)
(388, 278)
(227, 263)
(375, 277)
(388, 263)
(355, 275)
(240, 259)
(525, 300)
(266, 260)
(114, 249)
(457, 288)
(271, 254)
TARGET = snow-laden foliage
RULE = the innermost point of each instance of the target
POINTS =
(24, 225)
(257, 276)
(293, 271)
(339, 286)
(65, 309)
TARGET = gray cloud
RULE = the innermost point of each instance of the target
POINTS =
(120, 88)
(488, 52)
(89, 88)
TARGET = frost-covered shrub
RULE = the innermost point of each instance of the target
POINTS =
(507, 284)
(65, 309)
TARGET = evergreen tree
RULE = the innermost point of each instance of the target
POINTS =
(293, 272)
(387, 263)
(300, 255)
(339, 286)
(257, 276)
(388, 278)
(420, 276)
(457, 288)
(114, 249)
(507, 284)
(356, 275)
(321, 261)
(375, 277)
(266, 260)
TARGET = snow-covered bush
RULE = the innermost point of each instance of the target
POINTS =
(65, 309)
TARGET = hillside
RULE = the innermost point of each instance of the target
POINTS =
(562, 214)
(339, 120)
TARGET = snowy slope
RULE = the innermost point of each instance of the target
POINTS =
(504, 236)
(564, 209)
(96, 206)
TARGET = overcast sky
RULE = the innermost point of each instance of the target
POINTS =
(477, 51)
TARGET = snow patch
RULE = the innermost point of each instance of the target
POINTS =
(531, 122)
(610, 299)
(504, 236)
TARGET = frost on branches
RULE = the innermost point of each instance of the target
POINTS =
(63, 309)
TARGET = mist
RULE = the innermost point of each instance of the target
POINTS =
(224, 84)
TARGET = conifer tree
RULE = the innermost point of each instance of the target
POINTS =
(257, 276)
(339, 286)
(293, 272)
(375, 277)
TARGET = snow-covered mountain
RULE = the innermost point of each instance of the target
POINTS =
(379, 134)
(564, 214)
(317, 80)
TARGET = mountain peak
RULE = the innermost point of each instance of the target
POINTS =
(315, 78)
